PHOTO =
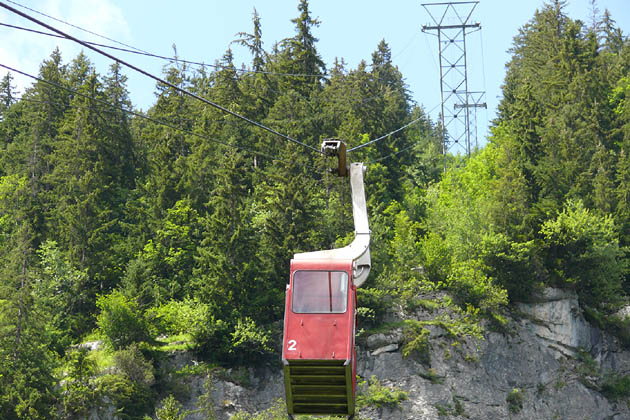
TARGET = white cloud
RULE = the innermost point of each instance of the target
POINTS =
(25, 51)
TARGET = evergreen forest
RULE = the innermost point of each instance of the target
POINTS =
(174, 228)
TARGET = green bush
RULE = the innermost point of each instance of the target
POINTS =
(378, 395)
(131, 363)
(515, 400)
(78, 390)
(471, 285)
(133, 400)
(120, 321)
(616, 387)
(582, 252)
(278, 411)
(613, 324)
(416, 341)
(170, 409)
(243, 342)
(212, 339)
(177, 317)
(372, 305)
(250, 343)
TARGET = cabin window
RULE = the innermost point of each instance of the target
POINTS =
(320, 291)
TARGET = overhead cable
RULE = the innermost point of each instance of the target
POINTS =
(386, 135)
(158, 79)
(413, 146)
(135, 50)
(138, 114)
(392, 132)
(163, 57)
(74, 26)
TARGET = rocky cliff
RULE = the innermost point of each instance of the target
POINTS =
(546, 363)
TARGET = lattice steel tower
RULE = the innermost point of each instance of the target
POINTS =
(451, 27)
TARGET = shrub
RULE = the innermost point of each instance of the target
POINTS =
(78, 391)
(120, 321)
(471, 285)
(132, 364)
(515, 400)
(212, 339)
(178, 317)
(170, 409)
(379, 395)
(249, 342)
(416, 341)
(582, 252)
(616, 387)
(372, 305)
(278, 411)
(132, 399)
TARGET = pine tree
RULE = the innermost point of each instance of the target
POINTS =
(254, 43)
(26, 371)
(227, 264)
(298, 55)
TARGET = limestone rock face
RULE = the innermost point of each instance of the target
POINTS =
(558, 321)
(544, 365)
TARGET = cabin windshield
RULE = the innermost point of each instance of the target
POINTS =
(320, 291)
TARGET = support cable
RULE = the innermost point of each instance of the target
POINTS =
(413, 146)
(73, 26)
(163, 57)
(137, 114)
(393, 132)
(158, 79)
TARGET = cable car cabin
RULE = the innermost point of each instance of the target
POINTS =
(318, 345)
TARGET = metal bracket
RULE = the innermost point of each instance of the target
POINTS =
(335, 147)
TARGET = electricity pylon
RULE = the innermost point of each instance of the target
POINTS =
(451, 27)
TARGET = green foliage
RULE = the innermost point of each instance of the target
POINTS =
(516, 266)
(132, 399)
(170, 409)
(131, 363)
(515, 400)
(79, 394)
(616, 387)
(177, 317)
(120, 321)
(371, 306)
(249, 341)
(60, 290)
(205, 401)
(416, 341)
(212, 339)
(457, 409)
(471, 285)
(615, 325)
(154, 231)
(373, 393)
(582, 251)
(277, 411)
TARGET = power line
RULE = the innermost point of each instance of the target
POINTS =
(74, 26)
(137, 114)
(162, 57)
(393, 132)
(413, 146)
(158, 79)
(135, 50)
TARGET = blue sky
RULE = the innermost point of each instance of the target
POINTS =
(351, 29)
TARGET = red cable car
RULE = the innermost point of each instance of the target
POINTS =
(318, 352)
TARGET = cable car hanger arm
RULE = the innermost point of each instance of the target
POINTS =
(359, 250)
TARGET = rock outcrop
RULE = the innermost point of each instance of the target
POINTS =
(546, 364)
